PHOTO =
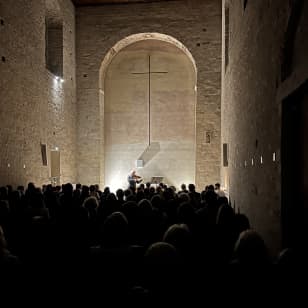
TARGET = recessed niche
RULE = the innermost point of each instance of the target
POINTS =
(225, 154)
(208, 137)
(2, 22)
(245, 4)
(54, 46)
(3, 59)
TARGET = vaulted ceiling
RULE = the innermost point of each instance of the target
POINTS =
(102, 2)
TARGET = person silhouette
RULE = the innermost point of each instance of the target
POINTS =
(133, 179)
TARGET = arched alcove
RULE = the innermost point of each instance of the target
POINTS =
(148, 118)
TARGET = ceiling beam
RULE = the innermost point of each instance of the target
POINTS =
(105, 2)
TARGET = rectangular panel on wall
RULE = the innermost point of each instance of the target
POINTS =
(227, 36)
(139, 163)
(225, 154)
(55, 163)
(44, 154)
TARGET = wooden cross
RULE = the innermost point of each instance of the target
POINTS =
(149, 72)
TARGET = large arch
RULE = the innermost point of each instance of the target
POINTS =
(113, 52)
(136, 38)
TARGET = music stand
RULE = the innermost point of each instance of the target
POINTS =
(157, 180)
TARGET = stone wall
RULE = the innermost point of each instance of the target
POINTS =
(34, 107)
(197, 25)
(252, 92)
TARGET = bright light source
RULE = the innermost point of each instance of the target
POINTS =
(252, 162)
(116, 182)
(57, 77)
(56, 148)
(62, 80)
(274, 156)
(24, 166)
(261, 159)
(8, 165)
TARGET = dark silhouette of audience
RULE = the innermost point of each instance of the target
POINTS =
(141, 243)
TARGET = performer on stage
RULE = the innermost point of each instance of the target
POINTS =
(133, 179)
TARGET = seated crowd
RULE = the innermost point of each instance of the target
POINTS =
(133, 238)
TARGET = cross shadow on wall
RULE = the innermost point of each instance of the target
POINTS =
(150, 152)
